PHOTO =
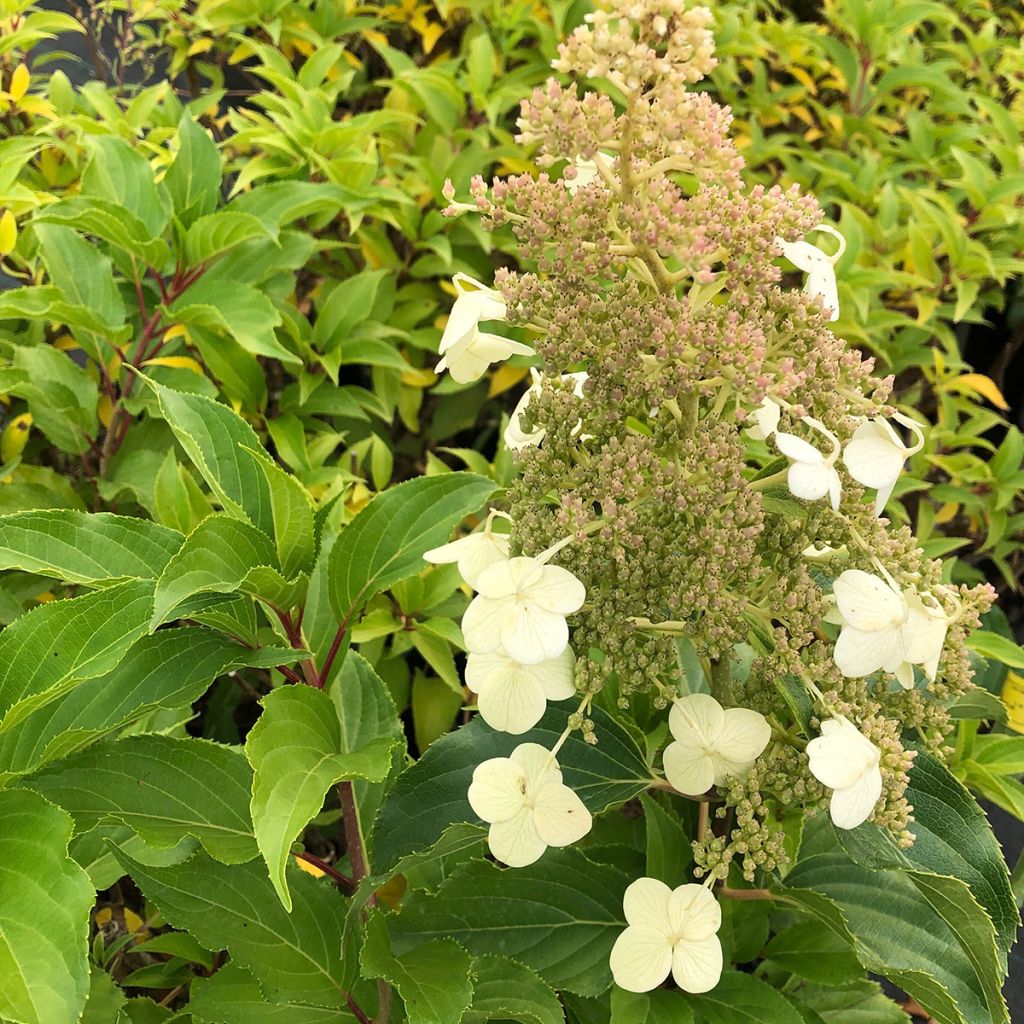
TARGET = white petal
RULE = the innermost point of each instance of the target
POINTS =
(858, 652)
(641, 959)
(556, 675)
(740, 743)
(560, 816)
(556, 590)
(694, 912)
(689, 769)
(905, 675)
(821, 282)
(494, 348)
(515, 436)
(516, 842)
(498, 789)
(482, 623)
(882, 497)
(530, 634)
(466, 367)
(503, 579)
(474, 553)
(853, 805)
(646, 904)
(698, 717)
(874, 456)
(766, 419)
(514, 706)
(809, 481)
(797, 448)
(697, 965)
(538, 764)
(841, 754)
(867, 602)
(802, 255)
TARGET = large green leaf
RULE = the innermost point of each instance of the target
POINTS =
(293, 516)
(657, 1007)
(559, 916)
(120, 174)
(928, 934)
(224, 555)
(506, 990)
(283, 202)
(106, 219)
(233, 996)
(386, 541)
(952, 837)
(193, 180)
(161, 787)
(44, 914)
(297, 753)
(812, 950)
(431, 794)
(213, 437)
(433, 979)
(295, 957)
(214, 234)
(170, 669)
(81, 548)
(47, 650)
(366, 713)
(743, 999)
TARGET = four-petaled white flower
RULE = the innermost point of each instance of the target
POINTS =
(521, 606)
(669, 931)
(876, 453)
(811, 475)
(529, 808)
(474, 553)
(511, 696)
(712, 743)
(819, 268)
(846, 761)
(465, 350)
(766, 419)
(515, 436)
(872, 614)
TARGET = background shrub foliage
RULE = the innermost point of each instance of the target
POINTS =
(226, 273)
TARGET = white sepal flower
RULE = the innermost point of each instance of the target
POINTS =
(473, 553)
(875, 455)
(819, 268)
(872, 614)
(712, 743)
(811, 475)
(927, 627)
(465, 350)
(766, 420)
(529, 808)
(521, 607)
(669, 931)
(515, 436)
(513, 697)
(847, 762)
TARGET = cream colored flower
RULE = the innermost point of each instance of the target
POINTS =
(872, 614)
(712, 743)
(847, 762)
(513, 697)
(473, 553)
(521, 607)
(529, 808)
(819, 267)
(465, 350)
(812, 475)
(875, 455)
(669, 931)
(515, 436)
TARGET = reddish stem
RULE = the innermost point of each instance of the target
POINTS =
(328, 869)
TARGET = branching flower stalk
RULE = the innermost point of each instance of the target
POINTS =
(708, 464)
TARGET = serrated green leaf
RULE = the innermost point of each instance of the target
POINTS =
(564, 930)
(431, 794)
(109, 220)
(743, 999)
(223, 555)
(657, 1007)
(46, 651)
(669, 853)
(213, 437)
(105, 999)
(234, 996)
(214, 234)
(161, 787)
(386, 540)
(996, 648)
(293, 516)
(121, 175)
(44, 906)
(860, 1003)
(506, 990)
(434, 979)
(812, 950)
(193, 179)
(294, 957)
(297, 753)
(91, 549)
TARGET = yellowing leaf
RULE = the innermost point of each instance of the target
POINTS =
(14, 437)
(804, 79)
(980, 385)
(8, 232)
(176, 363)
(65, 343)
(200, 46)
(310, 869)
(358, 498)
(419, 378)
(176, 331)
(19, 82)
(105, 410)
(947, 513)
(505, 377)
